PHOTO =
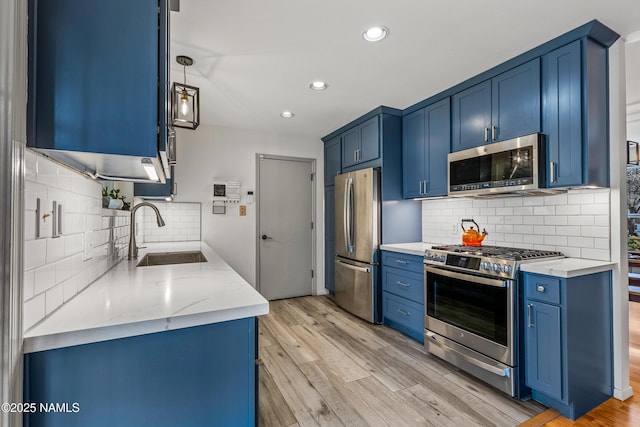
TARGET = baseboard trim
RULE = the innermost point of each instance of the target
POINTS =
(623, 394)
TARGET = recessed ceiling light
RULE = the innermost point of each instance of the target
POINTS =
(375, 34)
(318, 85)
(287, 114)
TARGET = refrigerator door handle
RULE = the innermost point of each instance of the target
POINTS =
(348, 215)
(354, 267)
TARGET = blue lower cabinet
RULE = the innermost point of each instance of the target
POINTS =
(403, 293)
(403, 315)
(199, 376)
(568, 341)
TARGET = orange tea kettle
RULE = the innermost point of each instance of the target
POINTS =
(471, 237)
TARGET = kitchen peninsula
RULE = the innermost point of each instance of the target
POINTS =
(159, 345)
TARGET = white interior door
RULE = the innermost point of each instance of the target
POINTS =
(285, 233)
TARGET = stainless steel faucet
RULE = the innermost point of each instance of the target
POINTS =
(133, 248)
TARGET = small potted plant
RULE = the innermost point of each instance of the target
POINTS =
(113, 200)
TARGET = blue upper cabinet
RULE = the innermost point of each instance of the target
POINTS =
(507, 106)
(332, 160)
(471, 117)
(574, 90)
(515, 102)
(361, 144)
(96, 100)
(426, 140)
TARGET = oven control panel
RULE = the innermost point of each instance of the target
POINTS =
(493, 267)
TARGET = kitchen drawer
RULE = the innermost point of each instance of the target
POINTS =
(403, 315)
(542, 288)
(403, 283)
(404, 261)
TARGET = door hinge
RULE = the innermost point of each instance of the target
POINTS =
(312, 225)
(312, 176)
(312, 274)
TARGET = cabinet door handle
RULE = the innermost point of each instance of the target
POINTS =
(355, 156)
(404, 313)
(493, 132)
(403, 284)
(421, 188)
(486, 134)
(426, 184)
(552, 172)
(530, 315)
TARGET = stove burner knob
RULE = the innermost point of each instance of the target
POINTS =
(442, 258)
(486, 266)
(496, 268)
(507, 269)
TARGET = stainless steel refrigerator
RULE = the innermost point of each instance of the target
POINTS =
(357, 219)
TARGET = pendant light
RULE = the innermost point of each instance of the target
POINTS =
(185, 99)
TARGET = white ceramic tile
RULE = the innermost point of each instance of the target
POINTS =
(30, 165)
(45, 278)
(28, 284)
(580, 242)
(568, 210)
(33, 311)
(599, 254)
(533, 201)
(595, 209)
(556, 199)
(54, 298)
(72, 244)
(579, 198)
(587, 231)
(64, 270)
(544, 230)
(569, 230)
(533, 220)
(555, 240)
(556, 220)
(513, 201)
(35, 253)
(55, 249)
(544, 210)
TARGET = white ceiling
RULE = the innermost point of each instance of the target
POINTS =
(256, 58)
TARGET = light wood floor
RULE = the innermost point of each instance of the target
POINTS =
(325, 367)
(614, 412)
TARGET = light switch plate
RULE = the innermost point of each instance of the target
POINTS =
(44, 219)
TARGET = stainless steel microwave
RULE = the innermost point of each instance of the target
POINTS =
(514, 165)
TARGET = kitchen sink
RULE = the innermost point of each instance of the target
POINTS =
(165, 258)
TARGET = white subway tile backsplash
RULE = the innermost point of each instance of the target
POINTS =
(35, 253)
(54, 298)
(45, 277)
(587, 231)
(55, 270)
(575, 223)
(33, 311)
(182, 222)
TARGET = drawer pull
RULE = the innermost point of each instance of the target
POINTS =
(540, 288)
(404, 313)
(402, 261)
(404, 285)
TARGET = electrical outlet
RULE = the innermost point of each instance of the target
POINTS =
(454, 228)
(243, 210)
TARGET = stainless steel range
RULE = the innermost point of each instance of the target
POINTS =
(473, 309)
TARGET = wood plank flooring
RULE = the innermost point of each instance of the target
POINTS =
(325, 367)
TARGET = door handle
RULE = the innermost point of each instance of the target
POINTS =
(265, 237)
(354, 267)
(552, 172)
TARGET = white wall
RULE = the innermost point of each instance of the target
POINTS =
(230, 154)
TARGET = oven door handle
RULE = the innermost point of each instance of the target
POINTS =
(493, 369)
(468, 277)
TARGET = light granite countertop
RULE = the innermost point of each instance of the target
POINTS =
(567, 267)
(129, 301)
